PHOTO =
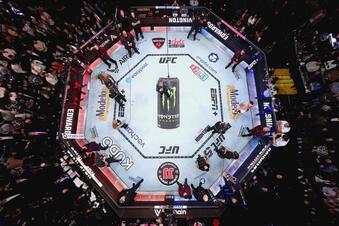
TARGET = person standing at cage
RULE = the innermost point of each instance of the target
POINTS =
(102, 54)
(196, 24)
(236, 59)
(128, 41)
(135, 21)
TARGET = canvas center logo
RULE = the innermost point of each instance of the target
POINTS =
(168, 105)
(232, 101)
(168, 173)
(103, 104)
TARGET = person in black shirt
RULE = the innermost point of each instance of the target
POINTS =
(225, 153)
(114, 33)
(202, 163)
(126, 196)
(201, 194)
(104, 161)
(128, 41)
(124, 20)
(196, 24)
(112, 85)
(102, 53)
(219, 127)
(136, 26)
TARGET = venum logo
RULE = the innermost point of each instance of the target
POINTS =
(176, 43)
(199, 72)
(104, 102)
(232, 101)
(116, 152)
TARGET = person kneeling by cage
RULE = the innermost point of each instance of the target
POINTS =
(116, 124)
(224, 153)
(219, 127)
(112, 86)
(202, 163)
(126, 196)
(201, 194)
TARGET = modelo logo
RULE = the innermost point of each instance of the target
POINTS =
(176, 43)
(180, 20)
(165, 60)
(198, 72)
(232, 101)
(135, 136)
(104, 102)
(217, 31)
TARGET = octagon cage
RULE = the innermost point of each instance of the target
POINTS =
(163, 136)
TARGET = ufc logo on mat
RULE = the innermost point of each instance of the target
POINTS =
(165, 60)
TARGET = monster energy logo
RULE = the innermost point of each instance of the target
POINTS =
(168, 105)
(165, 100)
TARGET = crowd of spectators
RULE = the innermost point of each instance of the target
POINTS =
(39, 39)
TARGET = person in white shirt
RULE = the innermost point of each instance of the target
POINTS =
(279, 140)
(282, 126)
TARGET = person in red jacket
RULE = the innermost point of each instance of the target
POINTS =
(102, 54)
(236, 59)
(258, 131)
(184, 190)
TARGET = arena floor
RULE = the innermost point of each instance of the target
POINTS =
(206, 92)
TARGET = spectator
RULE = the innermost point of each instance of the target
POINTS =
(128, 41)
(201, 194)
(136, 24)
(236, 59)
(258, 131)
(196, 24)
(126, 196)
(184, 190)
(202, 163)
(102, 53)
